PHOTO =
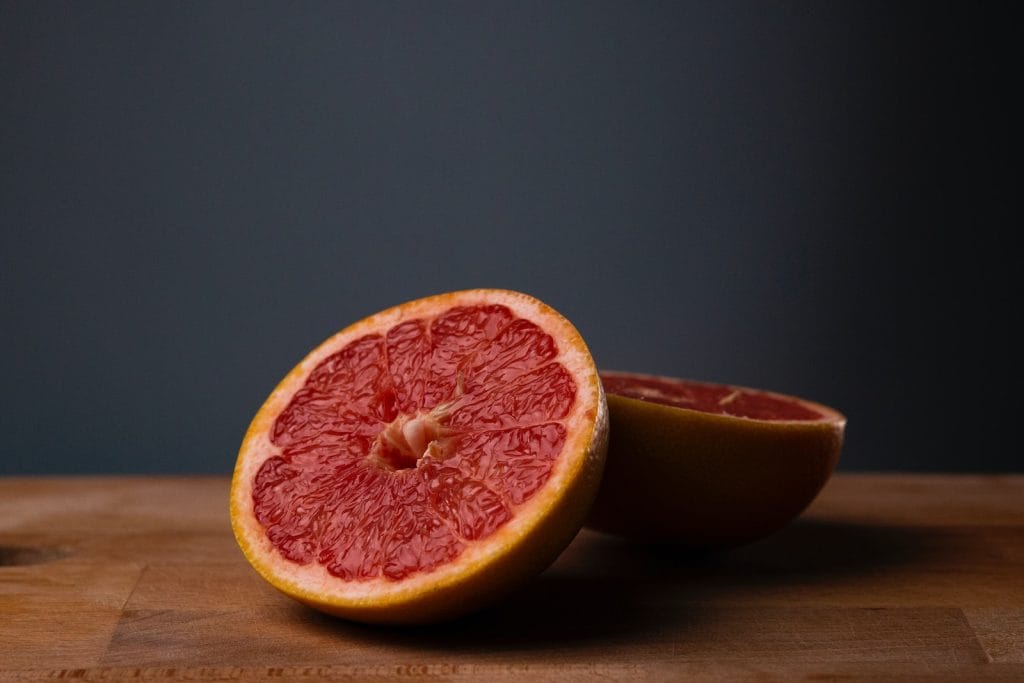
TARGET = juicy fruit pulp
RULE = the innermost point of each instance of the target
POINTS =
(715, 399)
(708, 465)
(414, 443)
(456, 418)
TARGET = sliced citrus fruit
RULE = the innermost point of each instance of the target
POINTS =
(425, 460)
(709, 465)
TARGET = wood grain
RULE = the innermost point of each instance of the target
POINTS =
(885, 577)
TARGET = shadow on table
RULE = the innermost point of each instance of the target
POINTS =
(813, 550)
(551, 613)
(604, 591)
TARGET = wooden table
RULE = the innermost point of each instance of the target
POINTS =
(885, 577)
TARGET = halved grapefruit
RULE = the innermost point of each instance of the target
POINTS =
(425, 460)
(709, 465)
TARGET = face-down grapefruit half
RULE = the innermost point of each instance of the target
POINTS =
(709, 466)
(424, 461)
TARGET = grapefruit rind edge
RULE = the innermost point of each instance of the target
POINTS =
(829, 415)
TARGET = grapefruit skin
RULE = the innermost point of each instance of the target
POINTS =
(495, 566)
(709, 481)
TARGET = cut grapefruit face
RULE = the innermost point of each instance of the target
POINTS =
(425, 460)
(710, 465)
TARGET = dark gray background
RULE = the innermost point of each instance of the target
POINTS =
(805, 197)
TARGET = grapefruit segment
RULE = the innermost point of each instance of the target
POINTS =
(710, 466)
(424, 460)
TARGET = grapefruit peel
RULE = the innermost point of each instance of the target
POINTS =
(539, 530)
(714, 475)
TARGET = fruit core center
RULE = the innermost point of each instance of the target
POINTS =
(408, 438)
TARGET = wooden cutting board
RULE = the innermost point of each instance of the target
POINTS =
(884, 577)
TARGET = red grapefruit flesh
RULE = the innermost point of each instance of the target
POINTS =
(423, 461)
(709, 465)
